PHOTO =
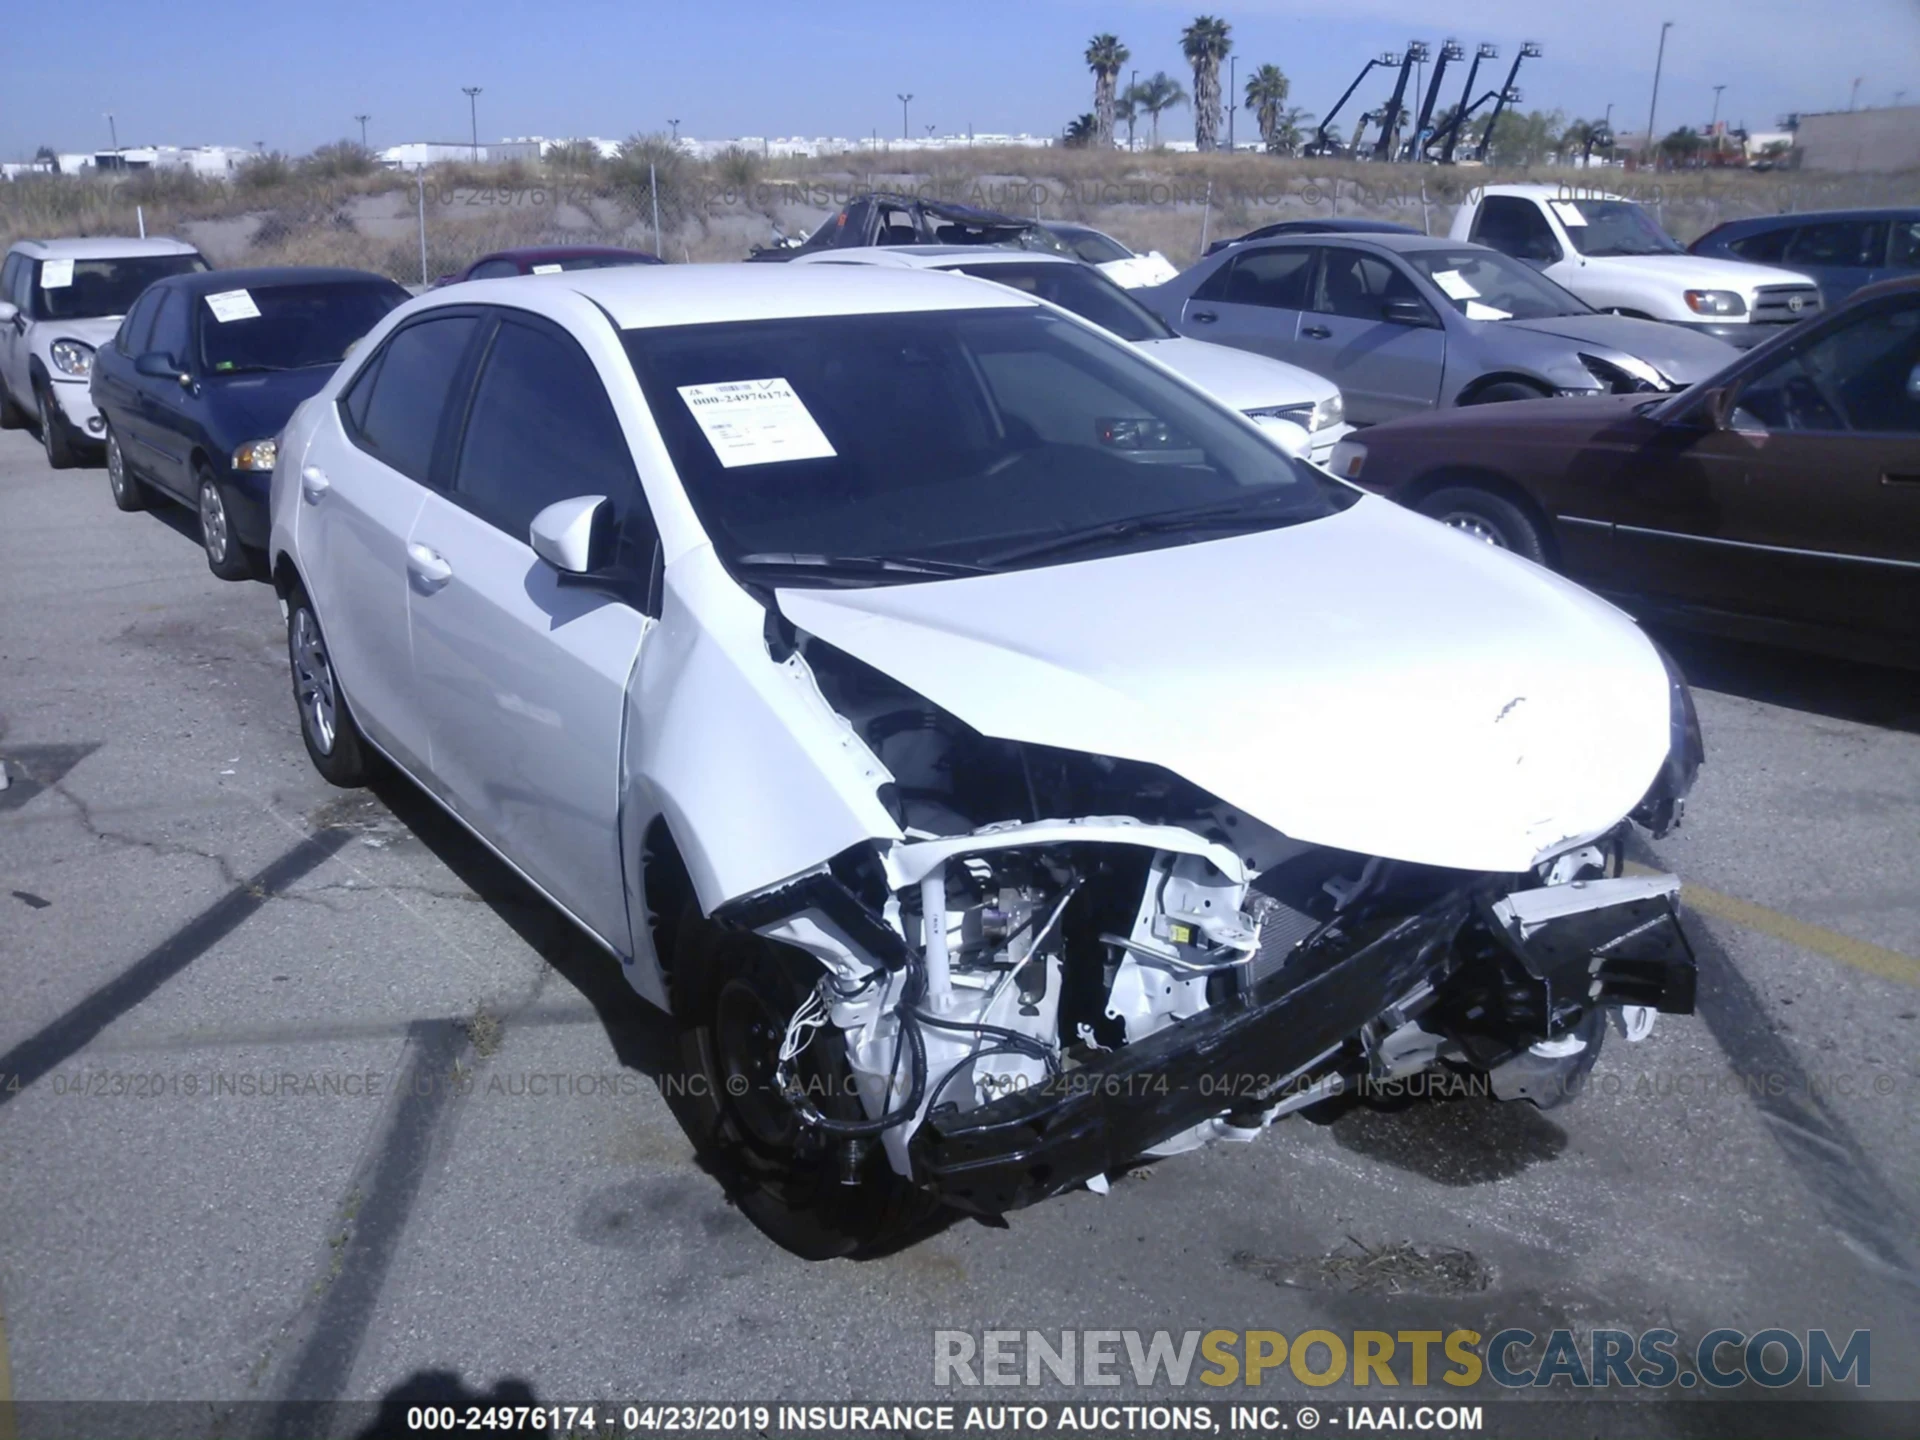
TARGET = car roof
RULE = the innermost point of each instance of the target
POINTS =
(103, 247)
(1379, 240)
(944, 209)
(646, 296)
(1880, 290)
(935, 257)
(266, 277)
(537, 253)
(1335, 225)
(1819, 217)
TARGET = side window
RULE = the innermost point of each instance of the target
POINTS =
(541, 429)
(1276, 279)
(138, 326)
(1863, 377)
(20, 292)
(493, 270)
(1848, 243)
(896, 227)
(7, 271)
(170, 331)
(398, 418)
(1769, 247)
(1905, 254)
(1515, 226)
(1358, 285)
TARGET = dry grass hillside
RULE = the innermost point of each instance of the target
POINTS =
(322, 211)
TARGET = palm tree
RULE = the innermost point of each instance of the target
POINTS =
(1105, 57)
(1205, 43)
(1682, 145)
(1081, 132)
(1290, 131)
(1159, 91)
(1578, 136)
(1126, 109)
(1266, 92)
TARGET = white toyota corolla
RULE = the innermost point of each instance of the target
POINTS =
(1002, 760)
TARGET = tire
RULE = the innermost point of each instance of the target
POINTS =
(1502, 391)
(227, 558)
(53, 432)
(1550, 1081)
(734, 992)
(327, 725)
(1487, 517)
(12, 417)
(127, 491)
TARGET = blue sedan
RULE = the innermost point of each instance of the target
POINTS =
(1843, 250)
(205, 371)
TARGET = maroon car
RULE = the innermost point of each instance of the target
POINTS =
(547, 259)
(1777, 500)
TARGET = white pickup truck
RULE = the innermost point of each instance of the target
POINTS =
(1614, 255)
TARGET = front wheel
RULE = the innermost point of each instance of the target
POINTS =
(326, 723)
(227, 558)
(53, 433)
(128, 493)
(1503, 391)
(1484, 516)
(734, 993)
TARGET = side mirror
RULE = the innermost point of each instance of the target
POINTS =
(572, 535)
(1716, 407)
(1406, 312)
(161, 366)
(8, 312)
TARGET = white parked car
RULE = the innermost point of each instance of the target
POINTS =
(60, 300)
(1127, 268)
(1303, 411)
(1613, 254)
(1002, 760)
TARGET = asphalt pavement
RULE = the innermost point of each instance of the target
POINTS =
(303, 1096)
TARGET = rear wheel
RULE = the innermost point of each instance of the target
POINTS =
(734, 994)
(326, 723)
(1553, 1073)
(53, 432)
(226, 556)
(128, 492)
(1487, 517)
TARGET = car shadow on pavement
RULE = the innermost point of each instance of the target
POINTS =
(1452, 1139)
(503, 1407)
(1798, 680)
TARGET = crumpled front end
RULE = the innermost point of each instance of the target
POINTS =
(1067, 961)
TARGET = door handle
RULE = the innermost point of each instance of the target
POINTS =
(1317, 332)
(428, 567)
(314, 484)
(1202, 317)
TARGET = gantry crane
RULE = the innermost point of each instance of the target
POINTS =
(1416, 54)
(1460, 111)
(1417, 142)
(1320, 145)
(1528, 51)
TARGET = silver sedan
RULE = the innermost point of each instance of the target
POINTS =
(1406, 323)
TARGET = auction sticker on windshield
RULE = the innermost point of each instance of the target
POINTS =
(56, 274)
(233, 305)
(756, 422)
(1457, 286)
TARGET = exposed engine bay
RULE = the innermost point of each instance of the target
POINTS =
(1069, 961)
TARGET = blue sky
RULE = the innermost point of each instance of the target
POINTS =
(236, 73)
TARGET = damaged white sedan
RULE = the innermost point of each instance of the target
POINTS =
(1002, 760)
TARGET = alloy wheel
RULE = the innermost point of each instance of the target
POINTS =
(313, 680)
(1477, 526)
(213, 522)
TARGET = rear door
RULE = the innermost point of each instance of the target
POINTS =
(362, 481)
(115, 384)
(1807, 510)
(1384, 368)
(523, 673)
(1253, 302)
(1840, 255)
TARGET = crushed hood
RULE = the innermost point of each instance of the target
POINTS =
(1238, 377)
(1371, 681)
(1676, 352)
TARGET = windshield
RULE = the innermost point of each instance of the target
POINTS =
(1087, 293)
(289, 327)
(598, 262)
(95, 289)
(949, 439)
(1486, 285)
(1093, 247)
(1613, 227)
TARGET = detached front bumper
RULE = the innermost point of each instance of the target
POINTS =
(1614, 942)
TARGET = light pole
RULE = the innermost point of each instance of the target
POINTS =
(1665, 25)
(114, 132)
(1854, 94)
(1716, 108)
(473, 116)
(1133, 104)
(676, 130)
(1233, 94)
(906, 130)
(363, 129)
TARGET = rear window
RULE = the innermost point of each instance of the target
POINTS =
(1084, 291)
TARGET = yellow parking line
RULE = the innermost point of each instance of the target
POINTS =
(1860, 954)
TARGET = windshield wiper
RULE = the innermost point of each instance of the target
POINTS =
(859, 564)
(1234, 516)
(231, 369)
